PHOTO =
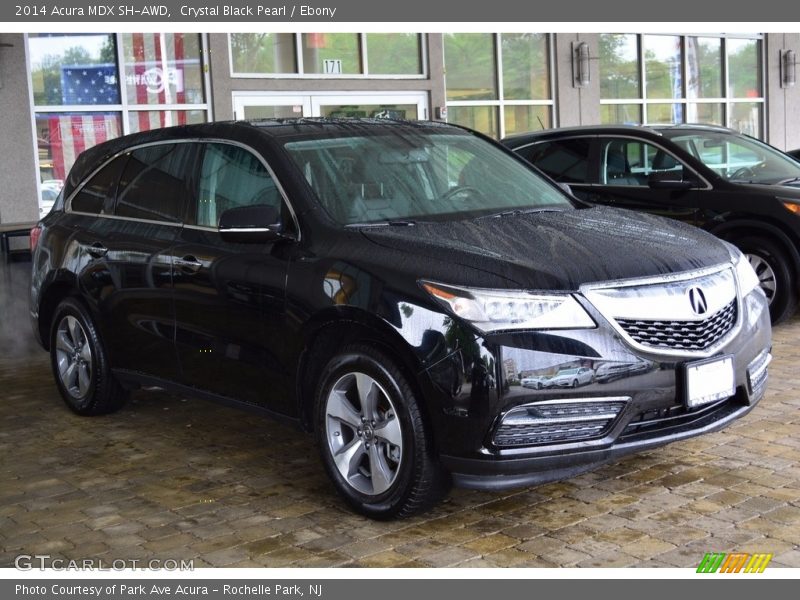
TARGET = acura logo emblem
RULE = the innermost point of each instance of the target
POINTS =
(698, 300)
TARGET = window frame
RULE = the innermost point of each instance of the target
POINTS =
(500, 103)
(726, 101)
(363, 55)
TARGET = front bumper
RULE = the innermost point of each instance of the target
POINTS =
(476, 388)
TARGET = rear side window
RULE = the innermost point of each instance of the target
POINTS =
(232, 177)
(97, 196)
(157, 182)
(566, 161)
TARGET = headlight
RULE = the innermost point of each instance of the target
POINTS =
(748, 280)
(498, 310)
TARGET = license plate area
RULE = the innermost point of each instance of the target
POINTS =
(709, 380)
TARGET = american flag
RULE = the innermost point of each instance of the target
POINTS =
(72, 134)
(155, 76)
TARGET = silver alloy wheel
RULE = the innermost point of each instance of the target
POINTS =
(364, 434)
(73, 357)
(766, 275)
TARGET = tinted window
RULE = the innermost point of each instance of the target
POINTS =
(97, 196)
(232, 176)
(566, 161)
(156, 182)
(632, 162)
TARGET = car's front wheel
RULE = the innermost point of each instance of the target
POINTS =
(80, 363)
(775, 275)
(372, 436)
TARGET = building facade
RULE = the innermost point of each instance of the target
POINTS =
(65, 92)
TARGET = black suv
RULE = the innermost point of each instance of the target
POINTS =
(388, 285)
(730, 184)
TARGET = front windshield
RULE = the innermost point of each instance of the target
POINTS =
(739, 158)
(413, 176)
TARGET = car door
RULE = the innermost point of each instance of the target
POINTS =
(230, 297)
(567, 160)
(640, 175)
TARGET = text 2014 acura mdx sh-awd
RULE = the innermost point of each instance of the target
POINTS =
(387, 285)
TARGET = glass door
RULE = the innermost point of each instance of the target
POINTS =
(406, 105)
(387, 105)
(248, 105)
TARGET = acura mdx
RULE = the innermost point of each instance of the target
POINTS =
(389, 285)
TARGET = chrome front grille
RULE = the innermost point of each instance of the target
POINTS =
(683, 334)
(680, 314)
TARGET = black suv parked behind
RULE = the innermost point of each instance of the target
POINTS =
(388, 285)
(730, 184)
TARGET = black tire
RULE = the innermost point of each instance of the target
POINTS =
(417, 481)
(574, 383)
(783, 300)
(538, 385)
(98, 392)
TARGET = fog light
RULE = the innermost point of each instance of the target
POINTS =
(757, 374)
(558, 421)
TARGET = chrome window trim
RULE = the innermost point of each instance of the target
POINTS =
(586, 289)
(195, 140)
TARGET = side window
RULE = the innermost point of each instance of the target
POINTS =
(632, 163)
(230, 177)
(156, 182)
(97, 196)
(566, 161)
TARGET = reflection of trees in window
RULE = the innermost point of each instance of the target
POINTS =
(263, 53)
(394, 53)
(619, 66)
(470, 66)
(744, 68)
(525, 66)
(46, 71)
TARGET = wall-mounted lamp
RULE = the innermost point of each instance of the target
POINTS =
(581, 70)
(4, 45)
(788, 65)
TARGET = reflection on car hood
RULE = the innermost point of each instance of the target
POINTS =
(560, 250)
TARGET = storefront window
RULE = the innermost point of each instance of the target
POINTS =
(526, 66)
(62, 136)
(663, 66)
(744, 66)
(619, 66)
(520, 118)
(144, 120)
(687, 79)
(263, 53)
(394, 53)
(703, 67)
(499, 83)
(73, 69)
(331, 53)
(163, 68)
(82, 100)
(470, 66)
(482, 118)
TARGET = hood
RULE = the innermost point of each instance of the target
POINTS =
(558, 250)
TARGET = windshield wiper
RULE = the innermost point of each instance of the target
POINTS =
(390, 223)
(513, 212)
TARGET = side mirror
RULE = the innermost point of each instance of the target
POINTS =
(258, 224)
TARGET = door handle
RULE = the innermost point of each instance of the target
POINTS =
(97, 250)
(188, 264)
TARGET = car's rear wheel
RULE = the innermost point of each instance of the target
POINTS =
(80, 362)
(372, 437)
(775, 275)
